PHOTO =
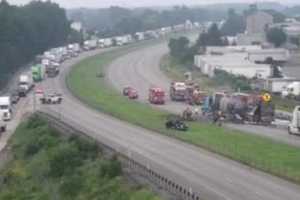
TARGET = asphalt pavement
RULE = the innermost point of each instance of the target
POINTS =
(213, 176)
(141, 70)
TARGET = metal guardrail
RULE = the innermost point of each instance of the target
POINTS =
(173, 187)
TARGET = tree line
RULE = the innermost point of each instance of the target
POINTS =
(117, 20)
(27, 31)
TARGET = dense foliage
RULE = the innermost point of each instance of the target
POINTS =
(276, 36)
(28, 30)
(183, 51)
(235, 82)
(47, 166)
(234, 24)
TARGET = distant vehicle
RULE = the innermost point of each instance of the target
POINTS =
(54, 98)
(5, 108)
(39, 93)
(38, 72)
(294, 126)
(2, 127)
(177, 124)
(292, 90)
(15, 97)
(126, 91)
(25, 85)
(52, 70)
(90, 44)
(178, 91)
(133, 94)
(156, 95)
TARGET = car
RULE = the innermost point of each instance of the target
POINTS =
(126, 91)
(133, 94)
(15, 97)
(2, 127)
(177, 124)
(54, 98)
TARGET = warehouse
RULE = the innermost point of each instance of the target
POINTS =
(263, 55)
(234, 63)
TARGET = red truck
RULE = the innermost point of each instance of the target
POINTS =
(156, 95)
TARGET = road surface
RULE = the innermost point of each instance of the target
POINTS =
(214, 177)
(141, 70)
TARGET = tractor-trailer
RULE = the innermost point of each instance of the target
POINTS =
(25, 85)
(52, 70)
(38, 72)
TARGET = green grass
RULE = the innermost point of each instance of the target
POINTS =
(262, 153)
(48, 166)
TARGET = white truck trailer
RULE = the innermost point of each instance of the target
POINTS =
(25, 85)
(292, 90)
(278, 85)
(5, 108)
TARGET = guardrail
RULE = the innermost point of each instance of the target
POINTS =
(173, 187)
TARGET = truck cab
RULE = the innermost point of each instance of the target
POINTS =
(5, 108)
(294, 126)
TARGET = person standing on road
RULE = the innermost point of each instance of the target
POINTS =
(257, 113)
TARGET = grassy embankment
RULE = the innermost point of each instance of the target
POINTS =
(259, 152)
(48, 166)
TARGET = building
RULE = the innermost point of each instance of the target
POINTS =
(267, 55)
(258, 22)
(234, 63)
(251, 39)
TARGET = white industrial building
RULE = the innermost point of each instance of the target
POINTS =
(262, 55)
(234, 63)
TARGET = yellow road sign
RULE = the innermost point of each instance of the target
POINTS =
(267, 97)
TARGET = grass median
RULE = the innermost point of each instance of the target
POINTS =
(259, 152)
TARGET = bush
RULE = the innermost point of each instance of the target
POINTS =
(64, 160)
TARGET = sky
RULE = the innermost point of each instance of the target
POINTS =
(142, 3)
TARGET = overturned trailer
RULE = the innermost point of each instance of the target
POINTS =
(242, 108)
(250, 108)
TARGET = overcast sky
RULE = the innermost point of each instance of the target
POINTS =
(141, 3)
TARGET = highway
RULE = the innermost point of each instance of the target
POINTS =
(141, 70)
(213, 176)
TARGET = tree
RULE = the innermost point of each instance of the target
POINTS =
(234, 24)
(179, 47)
(27, 31)
(278, 17)
(276, 36)
(212, 37)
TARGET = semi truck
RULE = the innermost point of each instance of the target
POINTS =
(38, 72)
(25, 85)
(52, 70)
(5, 108)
